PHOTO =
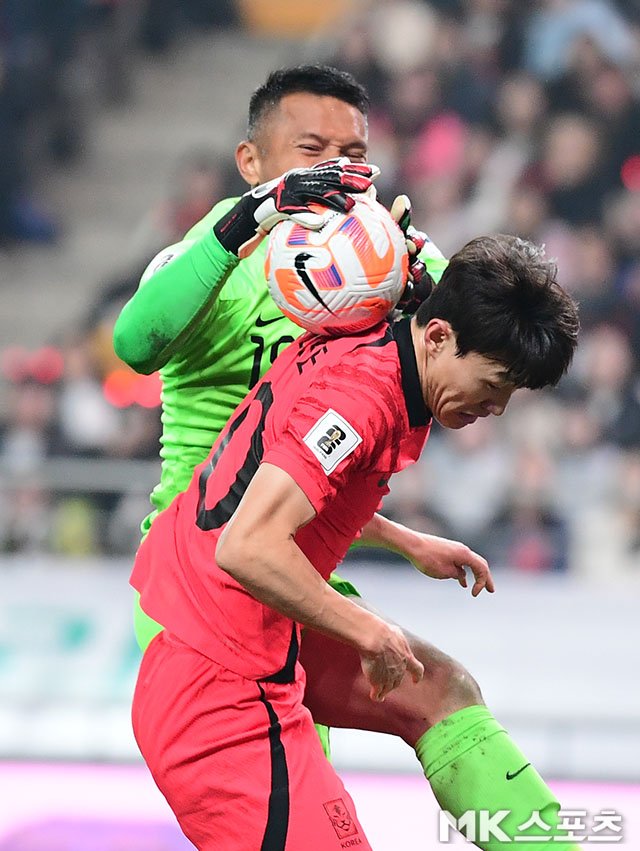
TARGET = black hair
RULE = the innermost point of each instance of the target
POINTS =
(501, 297)
(314, 79)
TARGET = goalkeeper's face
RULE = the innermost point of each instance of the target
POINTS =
(303, 129)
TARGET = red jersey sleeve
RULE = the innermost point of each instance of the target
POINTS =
(340, 425)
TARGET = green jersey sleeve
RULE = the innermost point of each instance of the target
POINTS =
(434, 260)
(179, 285)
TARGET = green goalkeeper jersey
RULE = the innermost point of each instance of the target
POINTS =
(207, 322)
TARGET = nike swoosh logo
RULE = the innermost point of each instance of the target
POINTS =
(260, 322)
(300, 265)
(511, 776)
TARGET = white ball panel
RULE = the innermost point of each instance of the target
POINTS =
(364, 270)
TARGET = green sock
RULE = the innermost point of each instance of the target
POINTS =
(472, 765)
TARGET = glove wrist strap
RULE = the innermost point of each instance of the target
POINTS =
(236, 227)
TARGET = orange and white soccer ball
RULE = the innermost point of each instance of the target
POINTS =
(343, 278)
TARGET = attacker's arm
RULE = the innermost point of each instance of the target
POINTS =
(436, 557)
(258, 549)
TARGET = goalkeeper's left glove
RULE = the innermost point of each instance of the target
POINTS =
(420, 283)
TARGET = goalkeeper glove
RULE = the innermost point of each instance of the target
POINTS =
(420, 283)
(295, 195)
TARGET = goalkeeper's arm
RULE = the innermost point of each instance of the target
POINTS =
(179, 284)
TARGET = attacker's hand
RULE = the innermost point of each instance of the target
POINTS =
(388, 661)
(441, 558)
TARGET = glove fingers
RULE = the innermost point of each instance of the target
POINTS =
(417, 271)
(332, 162)
(333, 198)
(342, 164)
(415, 238)
(364, 169)
(418, 289)
(311, 221)
(338, 201)
(401, 212)
(371, 192)
(319, 183)
(423, 287)
(344, 170)
(326, 176)
(356, 183)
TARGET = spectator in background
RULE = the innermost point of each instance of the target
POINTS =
(529, 535)
(31, 55)
(613, 391)
(526, 212)
(111, 26)
(570, 169)
(607, 96)
(519, 109)
(586, 467)
(26, 440)
(623, 228)
(559, 28)
(163, 20)
(88, 423)
(476, 75)
(28, 433)
(470, 500)
(200, 180)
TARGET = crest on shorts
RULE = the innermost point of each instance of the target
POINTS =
(340, 818)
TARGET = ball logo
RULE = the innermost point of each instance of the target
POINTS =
(331, 440)
(343, 278)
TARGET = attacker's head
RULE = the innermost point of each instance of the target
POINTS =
(301, 116)
(497, 321)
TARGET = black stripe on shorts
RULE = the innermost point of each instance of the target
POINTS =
(275, 833)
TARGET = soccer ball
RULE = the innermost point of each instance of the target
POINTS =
(343, 278)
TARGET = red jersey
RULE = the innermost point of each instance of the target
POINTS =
(340, 416)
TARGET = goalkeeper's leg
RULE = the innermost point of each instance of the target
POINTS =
(344, 587)
(468, 758)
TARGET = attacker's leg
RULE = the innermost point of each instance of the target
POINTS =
(239, 761)
(468, 758)
(337, 693)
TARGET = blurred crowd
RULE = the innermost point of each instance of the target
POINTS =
(493, 115)
(498, 116)
(60, 63)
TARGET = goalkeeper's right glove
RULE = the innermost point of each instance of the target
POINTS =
(295, 195)
(420, 283)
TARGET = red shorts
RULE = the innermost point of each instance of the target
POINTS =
(239, 761)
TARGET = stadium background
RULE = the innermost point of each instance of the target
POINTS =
(117, 122)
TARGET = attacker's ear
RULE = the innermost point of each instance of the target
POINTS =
(436, 334)
(248, 162)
